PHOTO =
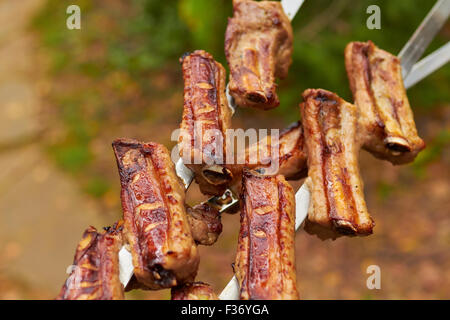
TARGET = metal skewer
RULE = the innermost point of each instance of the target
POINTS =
(302, 199)
(291, 7)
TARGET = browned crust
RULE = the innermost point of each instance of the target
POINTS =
(95, 270)
(291, 155)
(194, 291)
(265, 262)
(156, 226)
(206, 109)
(333, 171)
(289, 159)
(258, 47)
(205, 223)
(205, 106)
(385, 116)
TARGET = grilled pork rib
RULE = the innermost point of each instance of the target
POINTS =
(333, 171)
(156, 226)
(205, 223)
(203, 139)
(265, 262)
(270, 156)
(95, 270)
(194, 291)
(258, 48)
(385, 117)
(206, 117)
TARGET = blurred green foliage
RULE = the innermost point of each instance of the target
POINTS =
(124, 45)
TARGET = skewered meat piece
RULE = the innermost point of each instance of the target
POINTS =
(205, 223)
(265, 262)
(290, 161)
(333, 171)
(194, 291)
(258, 48)
(206, 117)
(283, 155)
(270, 156)
(156, 226)
(386, 119)
(95, 269)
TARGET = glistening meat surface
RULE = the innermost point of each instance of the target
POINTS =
(156, 226)
(332, 146)
(258, 47)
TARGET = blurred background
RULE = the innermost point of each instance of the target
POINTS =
(66, 94)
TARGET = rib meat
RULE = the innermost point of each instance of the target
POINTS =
(194, 291)
(265, 262)
(206, 117)
(386, 120)
(333, 172)
(270, 156)
(156, 226)
(95, 269)
(258, 48)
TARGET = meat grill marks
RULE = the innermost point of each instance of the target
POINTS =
(95, 270)
(285, 156)
(265, 262)
(333, 172)
(386, 119)
(205, 223)
(206, 117)
(194, 291)
(206, 108)
(258, 48)
(163, 250)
